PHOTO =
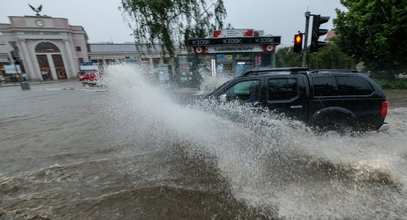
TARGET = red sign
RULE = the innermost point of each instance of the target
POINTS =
(199, 50)
(268, 47)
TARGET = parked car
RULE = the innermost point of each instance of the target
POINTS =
(80, 73)
(90, 76)
(323, 99)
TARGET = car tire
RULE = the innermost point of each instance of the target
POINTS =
(340, 127)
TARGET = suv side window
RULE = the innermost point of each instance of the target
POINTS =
(282, 89)
(247, 91)
(341, 86)
(325, 86)
(353, 86)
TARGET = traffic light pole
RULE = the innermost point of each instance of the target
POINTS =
(17, 61)
(304, 53)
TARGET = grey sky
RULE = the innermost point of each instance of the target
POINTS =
(104, 22)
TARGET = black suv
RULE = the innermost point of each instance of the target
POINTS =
(325, 99)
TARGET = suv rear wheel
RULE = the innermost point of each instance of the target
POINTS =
(339, 126)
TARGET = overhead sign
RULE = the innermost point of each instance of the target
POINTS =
(275, 40)
(89, 66)
(241, 49)
(233, 33)
(12, 69)
(222, 49)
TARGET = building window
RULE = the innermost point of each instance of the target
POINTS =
(99, 62)
(145, 61)
(46, 47)
(78, 48)
(156, 61)
(110, 61)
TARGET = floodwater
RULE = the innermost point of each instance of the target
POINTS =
(129, 151)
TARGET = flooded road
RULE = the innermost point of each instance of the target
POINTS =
(129, 151)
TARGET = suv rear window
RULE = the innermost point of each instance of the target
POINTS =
(341, 86)
(353, 86)
(282, 89)
(325, 86)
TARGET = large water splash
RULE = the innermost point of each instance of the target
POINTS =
(270, 162)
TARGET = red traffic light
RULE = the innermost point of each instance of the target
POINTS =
(298, 43)
(298, 39)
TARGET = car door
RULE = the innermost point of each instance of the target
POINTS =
(287, 94)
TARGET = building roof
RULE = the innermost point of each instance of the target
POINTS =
(329, 35)
(121, 48)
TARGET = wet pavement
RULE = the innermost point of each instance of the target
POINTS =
(129, 151)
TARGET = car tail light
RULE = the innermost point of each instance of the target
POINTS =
(383, 111)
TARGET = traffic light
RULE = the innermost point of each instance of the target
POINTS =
(16, 57)
(316, 32)
(298, 43)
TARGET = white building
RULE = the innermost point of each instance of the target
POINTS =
(106, 53)
(50, 48)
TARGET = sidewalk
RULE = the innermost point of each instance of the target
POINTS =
(38, 82)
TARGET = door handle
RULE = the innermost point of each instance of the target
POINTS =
(296, 106)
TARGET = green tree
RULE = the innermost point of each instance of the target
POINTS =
(285, 57)
(374, 32)
(328, 57)
(169, 22)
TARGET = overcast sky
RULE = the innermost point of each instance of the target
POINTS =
(103, 21)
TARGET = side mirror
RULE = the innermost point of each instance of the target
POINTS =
(222, 98)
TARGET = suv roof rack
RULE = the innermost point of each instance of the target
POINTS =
(266, 70)
(333, 70)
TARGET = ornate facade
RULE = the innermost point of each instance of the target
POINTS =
(49, 48)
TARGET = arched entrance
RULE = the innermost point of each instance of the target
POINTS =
(50, 61)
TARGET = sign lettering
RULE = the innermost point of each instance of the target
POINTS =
(275, 40)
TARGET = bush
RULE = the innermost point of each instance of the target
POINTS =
(392, 84)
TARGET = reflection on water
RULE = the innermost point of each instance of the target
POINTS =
(131, 152)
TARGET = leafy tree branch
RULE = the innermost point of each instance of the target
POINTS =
(374, 32)
(166, 23)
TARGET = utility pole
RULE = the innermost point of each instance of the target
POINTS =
(304, 53)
